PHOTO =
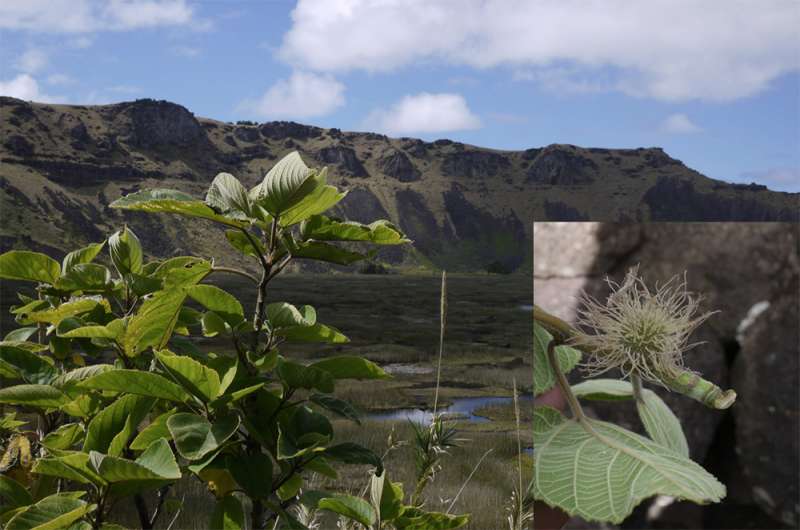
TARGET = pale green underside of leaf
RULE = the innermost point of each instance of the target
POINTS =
(602, 473)
(172, 201)
(543, 377)
(659, 421)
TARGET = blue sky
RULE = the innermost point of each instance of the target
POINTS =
(715, 83)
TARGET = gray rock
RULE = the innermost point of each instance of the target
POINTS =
(766, 379)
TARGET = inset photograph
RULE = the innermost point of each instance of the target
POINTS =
(666, 375)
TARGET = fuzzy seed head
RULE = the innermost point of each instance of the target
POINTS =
(642, 332)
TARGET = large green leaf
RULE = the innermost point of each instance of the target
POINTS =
(285, 315)
(192, 375)
(85, 277)
(195, 436)
(228, 514)
(182, 271)
(69, 465)
(322, 228)
(69, 379)
(285, 185)
(351, 507)
(153, 324)
(29, 266)
(319, 251)
(110, 429)
(659, 421)
(253, 472)
(316, 333)
(137, 382)
(543, 376)
(155, 430)
(13, 494)
(30, 367)
(351, 367)
(418, 519)
(600, 472)
(302, 430)
(82, 255)
(338, 406)
(51, 513)
(171, 201)
(113, 330)
(126, 251)
(64, 437)
(321, 199)
(156, 463)
(227, 195)
(295, 375)
(352, 453)
(40, 396)
(219, 301)
(78, 306)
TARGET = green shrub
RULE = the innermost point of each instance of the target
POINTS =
(115, 404)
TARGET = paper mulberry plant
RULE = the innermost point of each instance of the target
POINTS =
(595, 469)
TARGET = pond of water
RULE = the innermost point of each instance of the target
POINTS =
(463, 408)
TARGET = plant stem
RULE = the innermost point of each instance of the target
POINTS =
(566, 390)
(636, 382)
(552, 323)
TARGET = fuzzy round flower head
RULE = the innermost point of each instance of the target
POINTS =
(641, 332)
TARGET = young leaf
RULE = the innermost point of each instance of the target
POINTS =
(157, 429)
(126, 252)
(193, 376)
(82, 255)
(219, 301)
(114, 424)
(611, 471)
(321, 199)
(285, 185)
(171, 201)
(152, 325)
(322, 228)
(349, 367)
(316, 333)
(227, 195)
(351, 507)
(543, 376)
(40, 396)
(136, 382)
(324, 252)
(56, 511)
(29, 266)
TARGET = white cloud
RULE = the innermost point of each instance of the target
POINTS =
(33, 60)
(424, 113)
(24, 87)
(185, 51)
(82, 16)
(60, 79)
(779, 178)
(302, 95)
(671, 50)
(679, 124)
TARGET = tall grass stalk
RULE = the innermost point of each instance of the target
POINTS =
(442, 323)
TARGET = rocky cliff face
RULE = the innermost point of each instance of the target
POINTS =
(466, 207)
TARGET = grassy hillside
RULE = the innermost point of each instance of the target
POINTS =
(465, 207)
